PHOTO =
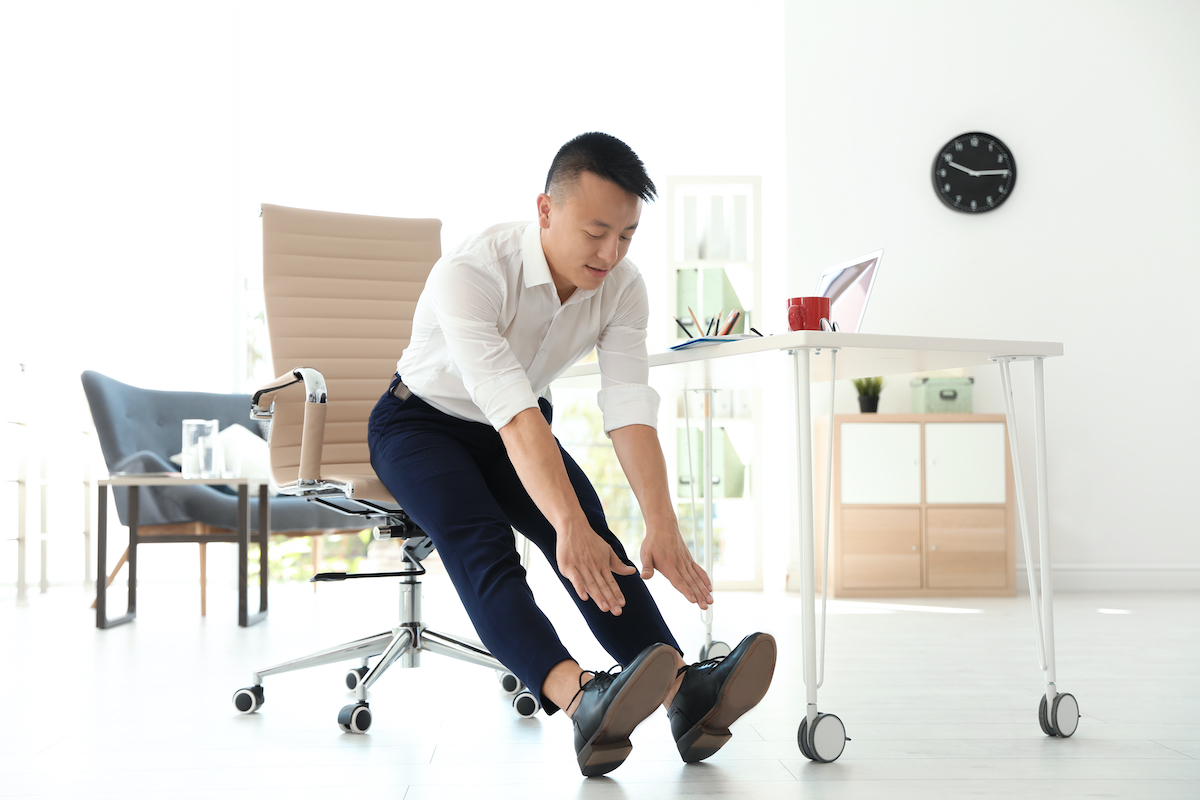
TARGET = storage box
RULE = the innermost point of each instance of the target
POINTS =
(942, 395)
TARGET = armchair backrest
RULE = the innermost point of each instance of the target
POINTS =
(129, 419)
(340, 292)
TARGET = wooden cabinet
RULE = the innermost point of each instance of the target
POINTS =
(922, 505)
(880, 547)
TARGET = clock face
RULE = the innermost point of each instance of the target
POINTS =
(974, 172)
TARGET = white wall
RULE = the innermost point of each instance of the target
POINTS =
(1100, 103)
(140, 138)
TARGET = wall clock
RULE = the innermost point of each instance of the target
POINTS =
(974, 172)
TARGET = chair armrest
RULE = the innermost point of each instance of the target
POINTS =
(143, 461)
(312, 439)
(264, 399)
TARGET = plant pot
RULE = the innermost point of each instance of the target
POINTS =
(868, 405)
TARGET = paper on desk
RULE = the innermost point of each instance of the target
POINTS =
(704, 341)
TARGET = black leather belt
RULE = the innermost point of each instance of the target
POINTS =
(401, 392)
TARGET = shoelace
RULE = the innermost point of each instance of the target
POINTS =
(708, 662)
(610, 673)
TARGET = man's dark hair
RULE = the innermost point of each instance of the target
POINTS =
(605, 157)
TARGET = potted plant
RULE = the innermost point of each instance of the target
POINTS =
(868, 394)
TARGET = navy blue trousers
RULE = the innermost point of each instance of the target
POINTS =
(454, 478)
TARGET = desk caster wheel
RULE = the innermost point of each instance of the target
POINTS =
(355, 718)
(827, 740)
(1060, 718)
(354, 676)
(510, 683)
(715, 650)
(248, 700)
(526, 705)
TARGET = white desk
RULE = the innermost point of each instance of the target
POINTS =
(812, 355)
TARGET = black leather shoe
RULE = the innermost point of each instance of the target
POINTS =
(716, 692)
(611, 706)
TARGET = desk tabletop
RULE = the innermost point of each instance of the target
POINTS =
(859, 355)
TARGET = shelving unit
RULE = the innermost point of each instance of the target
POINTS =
(714, 257)
(923, 505)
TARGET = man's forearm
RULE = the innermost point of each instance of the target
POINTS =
(642, 460)
(534, 454)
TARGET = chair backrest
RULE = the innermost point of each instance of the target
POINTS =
(129, 419)
(340, 291)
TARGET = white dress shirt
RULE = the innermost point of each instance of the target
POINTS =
(490, 335)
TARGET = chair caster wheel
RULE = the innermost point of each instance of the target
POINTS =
(715, 650)
(354, 676)
(1061, 718)
(526, 705)
(827, 741)
(355, 718)
(510, 683)
(248, 700)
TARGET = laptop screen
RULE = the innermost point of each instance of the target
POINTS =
(848, 287)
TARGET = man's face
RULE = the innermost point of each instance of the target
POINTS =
(588, 234)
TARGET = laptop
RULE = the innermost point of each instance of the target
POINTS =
(848, 287)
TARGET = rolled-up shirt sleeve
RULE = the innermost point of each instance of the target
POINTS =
(467, 299)
(625, 396)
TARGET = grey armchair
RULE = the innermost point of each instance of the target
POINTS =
(139, 429)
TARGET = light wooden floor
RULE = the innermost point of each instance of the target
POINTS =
(939, 698)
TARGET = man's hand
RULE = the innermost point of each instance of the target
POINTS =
(585, 559)
(588, 562)
(667, 553)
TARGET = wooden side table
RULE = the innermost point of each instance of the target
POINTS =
(241, 536)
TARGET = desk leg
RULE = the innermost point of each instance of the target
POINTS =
(821, 737)
(1039, 436)
(102, 620)
(706, 481)
(245, 619)
(801, 379)
(1058, 714)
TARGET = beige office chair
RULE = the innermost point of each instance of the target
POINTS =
(341, 290)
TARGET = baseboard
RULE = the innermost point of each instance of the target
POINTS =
(1094, 577)
(1119, 577)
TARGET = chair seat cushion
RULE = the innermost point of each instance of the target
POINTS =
(366, 486)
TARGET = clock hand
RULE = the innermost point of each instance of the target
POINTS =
(964, 169)
(982, 172)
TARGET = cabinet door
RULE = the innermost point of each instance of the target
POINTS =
(964, 462)
(881, 548)
(881, 463)
(967, 548)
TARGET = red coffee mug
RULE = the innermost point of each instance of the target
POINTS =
(806, 313)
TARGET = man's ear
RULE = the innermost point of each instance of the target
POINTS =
(544, 206)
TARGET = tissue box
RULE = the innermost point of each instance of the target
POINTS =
(942, 395)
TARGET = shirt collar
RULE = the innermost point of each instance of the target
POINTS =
(537, 269)
(533, 258)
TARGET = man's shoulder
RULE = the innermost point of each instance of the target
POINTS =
(626, 277)
(491, 245)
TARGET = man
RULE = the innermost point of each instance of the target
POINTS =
(462, 440)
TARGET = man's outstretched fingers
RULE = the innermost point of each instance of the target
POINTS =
(606, 586)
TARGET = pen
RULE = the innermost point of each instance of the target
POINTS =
(683, 327)
(699, 327)
(756, 331)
